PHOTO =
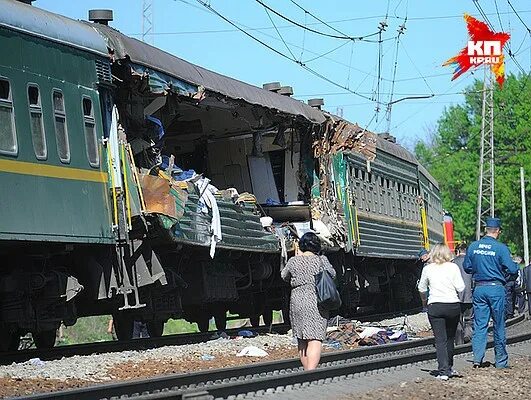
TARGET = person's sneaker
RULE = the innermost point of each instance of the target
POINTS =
(442, 377)
(476, 365)
(454, 374)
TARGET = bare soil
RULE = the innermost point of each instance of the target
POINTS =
(476, 384)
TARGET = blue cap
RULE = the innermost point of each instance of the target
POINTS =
(493, 223)
(422, 252)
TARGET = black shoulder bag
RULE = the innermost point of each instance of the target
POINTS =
(328, 297)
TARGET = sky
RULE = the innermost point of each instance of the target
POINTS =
(356, 78)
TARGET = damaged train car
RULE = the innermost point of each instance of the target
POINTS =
(147, 187)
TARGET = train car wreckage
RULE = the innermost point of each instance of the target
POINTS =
(202, 184)
(268, 168)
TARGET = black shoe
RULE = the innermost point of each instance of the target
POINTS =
(476, 366)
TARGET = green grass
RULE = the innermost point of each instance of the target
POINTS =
(94, 329)
(86, 330)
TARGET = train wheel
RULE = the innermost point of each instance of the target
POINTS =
(268, 317)
(14, 342)
(9, 340)
(285, 315)
(255, 321)
(44, 339)
(123, 326)
(221, 320)
(155, 328)
(203, 323)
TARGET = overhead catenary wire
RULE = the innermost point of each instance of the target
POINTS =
(238, 28)
(401, 31)
(518, 16)
(278, 33)
(342, 36)
(306, 12)
(215, 31)
(312, 71)
(487, 21)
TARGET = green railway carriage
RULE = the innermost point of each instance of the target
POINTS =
(53, 170)
(93, 219)
(53, 176)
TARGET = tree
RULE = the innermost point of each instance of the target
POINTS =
(452, 156)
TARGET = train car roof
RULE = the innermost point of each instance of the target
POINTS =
(34, 21)
(148, 56)
(401, 152)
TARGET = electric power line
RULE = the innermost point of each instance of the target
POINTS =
(518, 16)
(312, 71)
(343, 36)
(317, 18)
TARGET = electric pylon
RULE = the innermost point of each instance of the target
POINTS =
(147, 21)
(486, 157)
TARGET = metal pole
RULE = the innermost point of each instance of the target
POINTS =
(481, 157)
(524, 217)
(491, 130)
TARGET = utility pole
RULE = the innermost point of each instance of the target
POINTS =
(486, 157)
(524, 217)
(147, 21)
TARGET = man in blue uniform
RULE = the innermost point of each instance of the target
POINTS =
(489, 261)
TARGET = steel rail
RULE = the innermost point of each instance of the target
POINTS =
(59, 352)
(211, 377)
(262, 376)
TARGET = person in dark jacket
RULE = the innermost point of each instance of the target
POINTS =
(464, 328)
(510, 290)
(489, 261)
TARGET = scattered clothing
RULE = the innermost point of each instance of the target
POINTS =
(252, 351)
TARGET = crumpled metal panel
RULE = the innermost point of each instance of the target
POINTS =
(240, 226)
(157, 197)
(37, 22)
(340, 135)
(141, 53)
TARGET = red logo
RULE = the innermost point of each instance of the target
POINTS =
(484, 47)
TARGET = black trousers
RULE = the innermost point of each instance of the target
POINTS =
(443, 318)
(466, 324)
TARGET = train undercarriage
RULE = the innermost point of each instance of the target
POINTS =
(39, 293)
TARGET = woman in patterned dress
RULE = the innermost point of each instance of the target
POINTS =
(308, 321)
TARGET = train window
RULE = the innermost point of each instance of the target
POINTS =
(8, 136)
(61, 128)
(91, 140)
(36, 122)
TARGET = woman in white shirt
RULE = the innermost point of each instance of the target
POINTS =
(442, 280)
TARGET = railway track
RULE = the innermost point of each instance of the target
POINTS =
(151, 343)
(59, 352)
(266, 377)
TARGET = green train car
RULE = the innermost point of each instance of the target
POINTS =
(96, 218)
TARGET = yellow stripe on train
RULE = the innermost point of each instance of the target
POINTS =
(52, 171)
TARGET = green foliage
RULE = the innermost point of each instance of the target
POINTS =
(86, 330)
(452, 157)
